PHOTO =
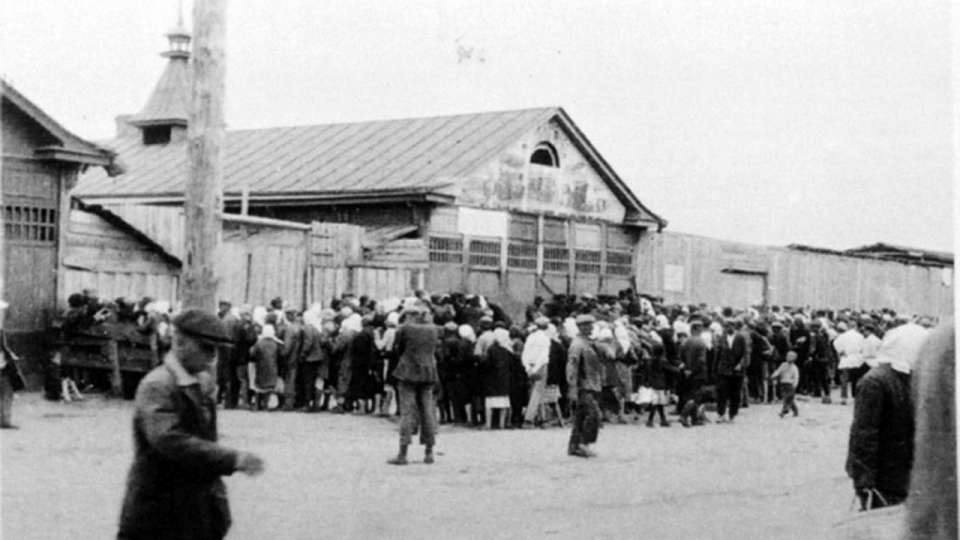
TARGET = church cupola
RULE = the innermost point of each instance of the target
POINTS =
(164, 118)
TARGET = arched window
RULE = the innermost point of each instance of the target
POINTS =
(545, 154)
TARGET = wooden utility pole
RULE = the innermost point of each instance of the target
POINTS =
(203, 196)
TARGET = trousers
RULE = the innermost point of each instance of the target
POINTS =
(728, 394)
(789, 394)
(417, 408)
(586, 419)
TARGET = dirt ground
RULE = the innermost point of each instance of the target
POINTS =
(761, 478)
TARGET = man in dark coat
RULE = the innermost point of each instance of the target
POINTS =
(881, 437)
(733, 357)
(289, 358)
(693, 361)
(174, 490)
(416, 374)
(584, 380)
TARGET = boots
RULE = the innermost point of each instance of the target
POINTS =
(428, 455)
(401, 458)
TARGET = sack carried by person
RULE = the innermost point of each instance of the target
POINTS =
(881, 524)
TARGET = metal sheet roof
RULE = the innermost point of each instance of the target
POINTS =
(412, 155)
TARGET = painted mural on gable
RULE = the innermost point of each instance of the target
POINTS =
(511, 181)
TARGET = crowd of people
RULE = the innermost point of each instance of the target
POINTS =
(497, 372)
(583, 360)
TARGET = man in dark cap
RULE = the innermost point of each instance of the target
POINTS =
(584, 379)
(174, 490)
(416, 373)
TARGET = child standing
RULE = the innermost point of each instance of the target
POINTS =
(788, 375)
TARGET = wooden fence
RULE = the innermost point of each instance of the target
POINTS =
(262, 259)
(693, 269)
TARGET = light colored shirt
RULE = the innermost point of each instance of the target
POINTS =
(787, 373)
(536, 351)
(871, 346)
(849, 346)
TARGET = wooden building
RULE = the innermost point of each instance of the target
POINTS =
(684, 268)
(41, 164)
(507, 204)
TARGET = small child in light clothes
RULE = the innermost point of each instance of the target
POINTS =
(788, 376)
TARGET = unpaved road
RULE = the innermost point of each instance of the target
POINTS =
(762, 478)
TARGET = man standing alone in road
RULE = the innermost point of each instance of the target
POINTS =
(174, 490)
(584, 378)
(416, 375)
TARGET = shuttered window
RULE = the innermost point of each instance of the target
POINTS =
(587, 261)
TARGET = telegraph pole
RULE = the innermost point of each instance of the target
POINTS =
(203, 196)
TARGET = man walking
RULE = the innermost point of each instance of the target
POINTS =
(416, 376)
(174, 490)
(584, 380)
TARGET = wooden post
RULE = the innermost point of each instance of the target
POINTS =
(203, 197)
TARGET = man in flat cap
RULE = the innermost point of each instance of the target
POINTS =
(416, 373)
(174, 490)
(584, 379)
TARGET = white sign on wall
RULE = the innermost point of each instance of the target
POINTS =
(673, 278)
(476, 222)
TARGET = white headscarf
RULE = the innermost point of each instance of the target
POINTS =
(467, 333)
(354, 322)
(269, 332)
(501, 336)
(901, 346)
(259, 315)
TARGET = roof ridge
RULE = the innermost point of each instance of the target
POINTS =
(398, 119)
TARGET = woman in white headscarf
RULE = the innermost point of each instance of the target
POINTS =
(263, 366)
(495, 377)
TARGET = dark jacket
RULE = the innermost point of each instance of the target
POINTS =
(174, 490)
(557, 366)
(584, 370)
(12, 369)
(693, 354)
(729, 357)
(881, 437)
(495, 371)
(416, 345)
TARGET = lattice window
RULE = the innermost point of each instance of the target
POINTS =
(522, 255)
(587, 261)
(619, 263)
(556, 259)
(485, 253)
(29, 224)
(446, 250)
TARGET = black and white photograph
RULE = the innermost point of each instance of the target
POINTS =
(465, 269)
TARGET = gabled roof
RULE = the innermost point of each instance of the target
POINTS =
(350, 161)
(68, 147)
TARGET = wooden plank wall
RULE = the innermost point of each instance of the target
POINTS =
(262, 262)
(101, 257)
(163, 224)
(795, 278)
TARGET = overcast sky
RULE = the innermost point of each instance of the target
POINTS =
(822, 122)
